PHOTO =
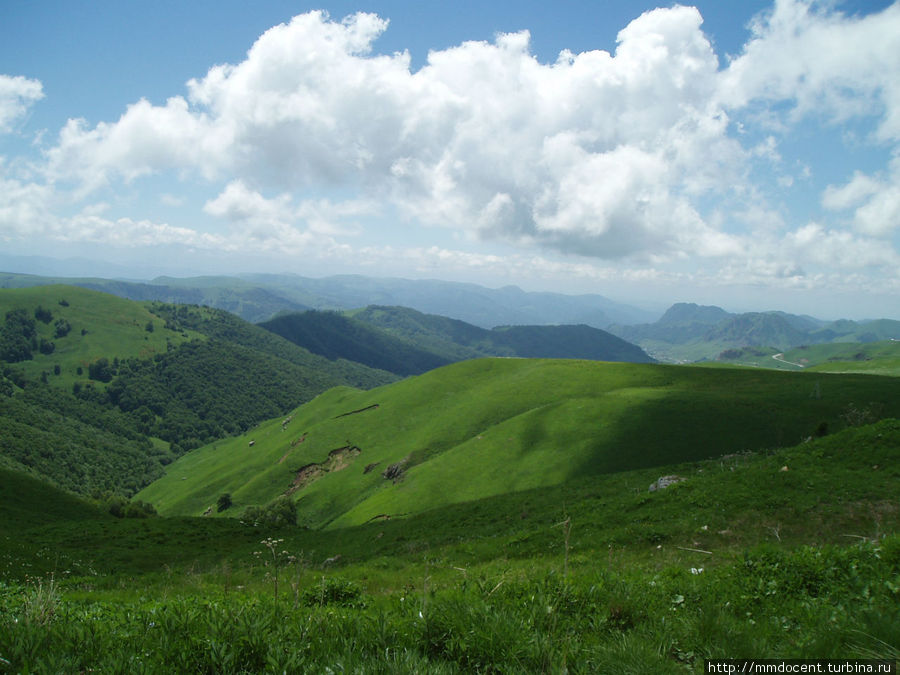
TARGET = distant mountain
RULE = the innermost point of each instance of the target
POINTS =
(756, 329)
(689, 313)
(690, 332)
(405, 341)
(258, 297)
(336, 336)
(680, 324)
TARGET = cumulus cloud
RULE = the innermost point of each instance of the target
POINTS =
(17, 94)
(823, 62)
(634, 156)
(875, 201)
(578, 155)
(840, 249)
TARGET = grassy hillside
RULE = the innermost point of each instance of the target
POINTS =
(27, 501)
(408, 342)
(491, 426)
(785, 554)
(875, 358)
(97, 392)
(84, 326)
(243, 298)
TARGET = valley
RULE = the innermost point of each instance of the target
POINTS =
(384, 490)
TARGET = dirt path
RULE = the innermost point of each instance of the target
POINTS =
(780, 357)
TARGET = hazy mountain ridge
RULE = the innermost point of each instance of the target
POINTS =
(257, 297)
(693, 332)
(406, 341)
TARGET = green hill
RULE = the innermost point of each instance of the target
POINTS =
(27, 501)
(248, 300)
(492, 426)
(406, 342)
(690, 333)
(98, 393)
(335, 336)
(77, 327)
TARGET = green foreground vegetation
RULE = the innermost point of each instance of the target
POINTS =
(486, 427)
(787, 553)
(492, 515)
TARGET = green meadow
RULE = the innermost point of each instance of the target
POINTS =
(493, 515)
(99, 326)
(777, 553)
(485, 427)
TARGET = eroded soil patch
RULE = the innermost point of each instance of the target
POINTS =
(337, 459)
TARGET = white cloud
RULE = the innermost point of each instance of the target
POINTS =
(630, 157)
(594, 152)
(17, 94)
(840, 249)
(822, 61)
(23, 207)
(876, 201)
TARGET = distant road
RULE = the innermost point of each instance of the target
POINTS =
(780, 357)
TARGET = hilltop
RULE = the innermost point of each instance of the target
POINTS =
(407, 342)
(98, 393)
(257, 297)
(688, 332)
(492, 426)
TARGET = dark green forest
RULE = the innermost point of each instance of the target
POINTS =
(96, 436)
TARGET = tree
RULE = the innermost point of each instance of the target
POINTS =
(224, 502)
(100, 370)
(42, 314)
(18, 337)
(62, 328)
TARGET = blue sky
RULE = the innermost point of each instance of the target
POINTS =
(745, 154)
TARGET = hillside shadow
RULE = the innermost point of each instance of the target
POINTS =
(744, 413)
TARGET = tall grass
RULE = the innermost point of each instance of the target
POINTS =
(811, 602)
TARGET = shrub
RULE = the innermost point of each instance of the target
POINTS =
(280, 511)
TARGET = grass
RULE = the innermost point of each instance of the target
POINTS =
(487, 427)
(874, 358)
(113, 328)
(523, 536)
(790, 553)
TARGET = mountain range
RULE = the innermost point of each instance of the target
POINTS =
(690, 332)
(257, 297)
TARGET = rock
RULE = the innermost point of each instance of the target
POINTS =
(664, 482)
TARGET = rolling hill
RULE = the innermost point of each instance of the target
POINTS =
(688, 332)
(487, 427)
(406, 342)
(258, 297)
(97, 392)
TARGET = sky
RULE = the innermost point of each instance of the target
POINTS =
(744, 154)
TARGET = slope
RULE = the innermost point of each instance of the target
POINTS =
(98, 393)
(26, 501)
(491, 426)
(689, 332)
(72, 328)
(405, 341)
(336, 336)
